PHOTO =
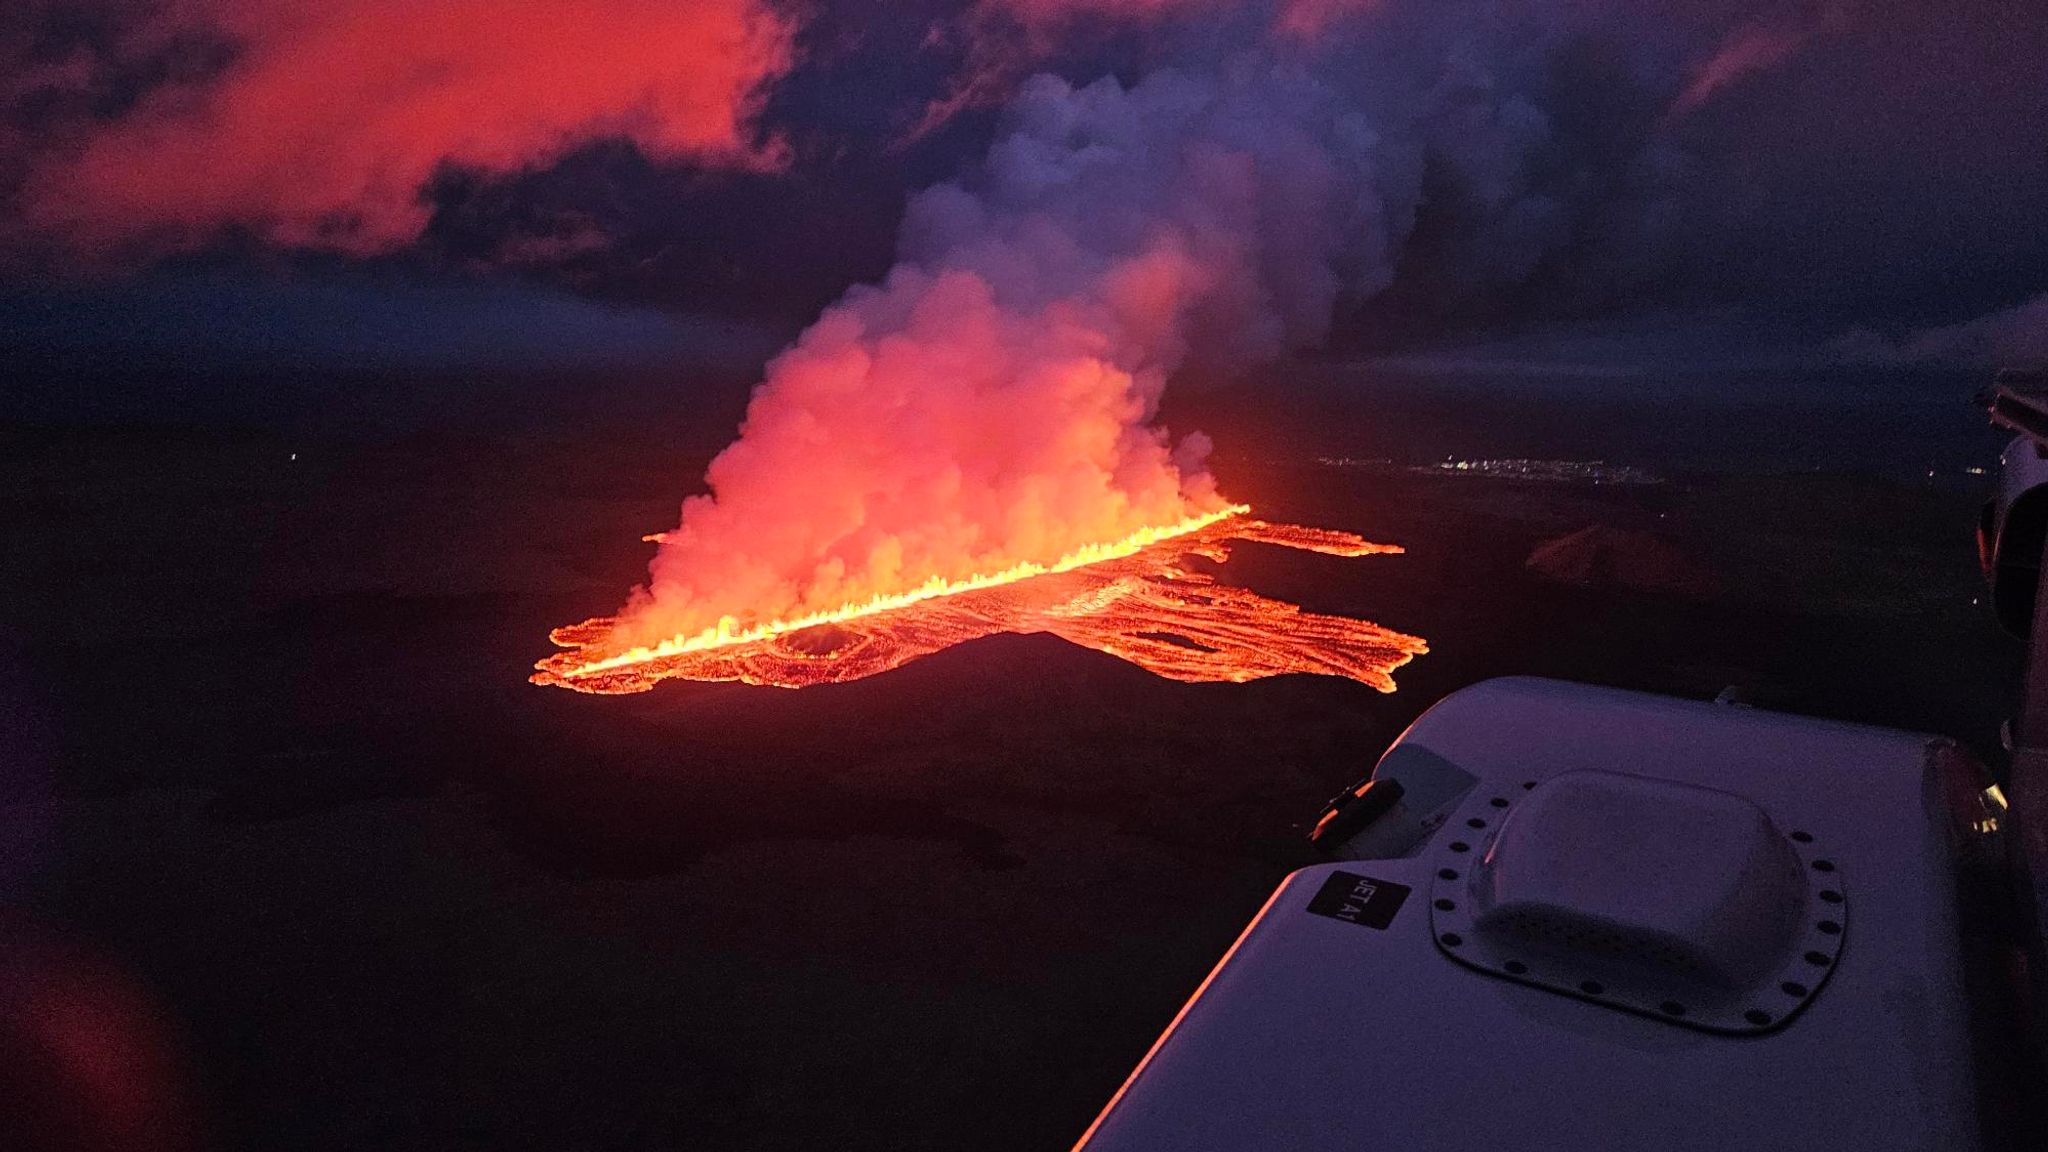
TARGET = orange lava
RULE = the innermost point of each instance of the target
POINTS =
(1135, 600)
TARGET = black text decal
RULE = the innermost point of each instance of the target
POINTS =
(1359, 899)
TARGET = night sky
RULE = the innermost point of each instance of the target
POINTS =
(1574, 182)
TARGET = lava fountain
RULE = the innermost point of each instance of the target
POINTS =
(1135, 599)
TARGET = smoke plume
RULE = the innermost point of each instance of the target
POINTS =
(1005, 39)
(992, 401)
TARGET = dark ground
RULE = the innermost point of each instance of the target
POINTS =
(273, 753)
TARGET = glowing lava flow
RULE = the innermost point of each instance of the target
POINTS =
(1131, 598)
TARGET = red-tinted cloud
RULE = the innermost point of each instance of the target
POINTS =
(1310, 18)
(1748, 51)
(333, 114)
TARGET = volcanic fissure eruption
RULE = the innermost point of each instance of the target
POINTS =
(1133, 600)
(972, 446)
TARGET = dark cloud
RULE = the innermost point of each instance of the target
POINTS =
(363, 320)
(1834, 164)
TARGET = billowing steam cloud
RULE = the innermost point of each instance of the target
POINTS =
(992, 401)
(319, 124)
(1005, 38)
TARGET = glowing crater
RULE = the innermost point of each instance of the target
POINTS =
(1133, 599)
